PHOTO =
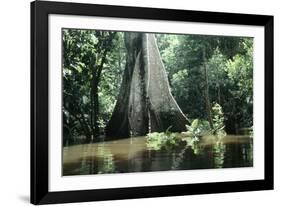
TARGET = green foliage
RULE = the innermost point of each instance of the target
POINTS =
(92, 69)
(218, 117)
(229, 62)
(198, 128)
(169, 141)
(240, 73)
(178, 82)
(162, 140)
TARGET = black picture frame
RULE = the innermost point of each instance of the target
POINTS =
(40, 106)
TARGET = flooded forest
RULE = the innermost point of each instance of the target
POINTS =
(144, 102)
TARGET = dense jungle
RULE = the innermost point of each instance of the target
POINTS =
(136, 102)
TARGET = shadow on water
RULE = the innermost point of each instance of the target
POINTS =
(133, 155)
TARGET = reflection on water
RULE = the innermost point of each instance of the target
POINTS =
(133, 155)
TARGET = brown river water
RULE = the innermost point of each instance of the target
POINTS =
(133, 155)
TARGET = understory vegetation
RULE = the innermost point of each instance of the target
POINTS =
(198, 128)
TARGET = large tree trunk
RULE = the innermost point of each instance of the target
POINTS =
(145, 103)
(118, 126)
(138, 115)
(164, 111)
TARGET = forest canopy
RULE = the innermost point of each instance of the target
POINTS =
(208, 77)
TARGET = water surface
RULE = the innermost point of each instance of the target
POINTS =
(133, 155)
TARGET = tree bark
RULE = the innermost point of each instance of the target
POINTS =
(145, 103)
(96, 110)
(164, 111)
(138, 116)
(118, 126)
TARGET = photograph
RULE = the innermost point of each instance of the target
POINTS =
(150, 102)
(141, 102)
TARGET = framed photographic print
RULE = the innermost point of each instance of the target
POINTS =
(131, 102)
